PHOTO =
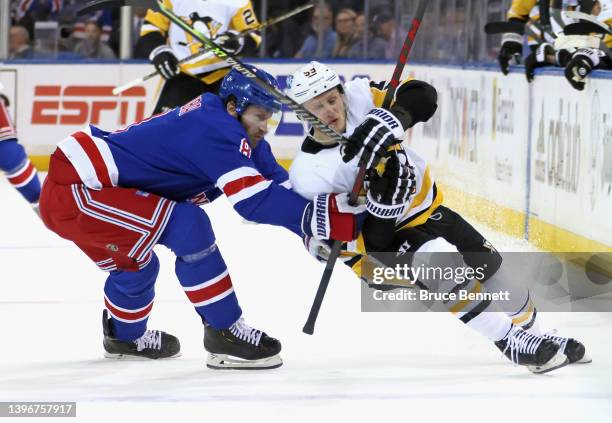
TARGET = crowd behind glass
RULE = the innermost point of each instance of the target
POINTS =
(334, 29)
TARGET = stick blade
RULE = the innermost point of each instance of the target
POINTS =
(308, 328)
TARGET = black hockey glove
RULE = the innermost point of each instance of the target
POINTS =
(370, 140)
(230, 41)
(511, 48)
(580, 66)
(389, 193)
(165, 61)
(537, 59)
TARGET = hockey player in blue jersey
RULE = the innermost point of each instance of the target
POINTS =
(118, 194)
(13, 159)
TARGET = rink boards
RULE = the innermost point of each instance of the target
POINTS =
(534, 161)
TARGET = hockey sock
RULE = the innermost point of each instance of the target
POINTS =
(484, 316)
(128, 297)
(200, 267)
(19, 170)
(518, 305)
(479, 314)
(207, 284)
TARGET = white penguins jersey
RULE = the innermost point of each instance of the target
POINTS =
(320, 169)
(219, 16)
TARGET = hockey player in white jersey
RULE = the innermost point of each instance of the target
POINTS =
(405, 204)
(166, 44)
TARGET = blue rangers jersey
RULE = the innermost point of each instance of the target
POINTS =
(190, 153)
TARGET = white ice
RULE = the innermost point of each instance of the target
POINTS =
(357, 366)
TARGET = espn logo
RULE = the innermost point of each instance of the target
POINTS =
(80, 105)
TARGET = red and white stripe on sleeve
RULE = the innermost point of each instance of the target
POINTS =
(242, 183)
(92, 159)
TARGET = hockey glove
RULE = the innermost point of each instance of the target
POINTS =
(389, 193)
(230, 41)
(537, 59)
(321, 249)
(511, 48)
(165, 61)
(330, 216)
(370, 140)
(580, 66)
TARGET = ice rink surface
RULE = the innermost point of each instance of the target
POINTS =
(357, 366)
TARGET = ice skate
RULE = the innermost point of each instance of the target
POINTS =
(539, 354)
(153, 344)
(574, 350)
(241, 347)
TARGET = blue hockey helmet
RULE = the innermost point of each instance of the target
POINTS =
(245, 91)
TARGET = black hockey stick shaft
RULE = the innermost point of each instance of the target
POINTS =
(394, 83)
(337, 245)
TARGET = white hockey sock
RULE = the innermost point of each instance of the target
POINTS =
(484, 316)
(518, 306)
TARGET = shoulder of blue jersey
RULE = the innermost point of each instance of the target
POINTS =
(208, 111)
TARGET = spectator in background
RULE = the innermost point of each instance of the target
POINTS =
(19, 43)
(385, 44)
(92, 47)
(104, 19)
(318, 25)
(346, 32)
(356, 50)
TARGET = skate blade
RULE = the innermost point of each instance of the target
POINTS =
(559, 360)
(127, 357)
(224, 361)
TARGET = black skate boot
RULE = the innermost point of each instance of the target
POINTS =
(574, 350)
(153, 344)
(241, 347)
(539, 354)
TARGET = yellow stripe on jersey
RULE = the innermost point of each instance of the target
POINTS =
(421, 197)
(608, 38)
(520, 9)
(378, 91)
(157, 21)
(245, 19)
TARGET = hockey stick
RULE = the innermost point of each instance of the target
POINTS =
(201, 54)
(337, 245)
(230, 59)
